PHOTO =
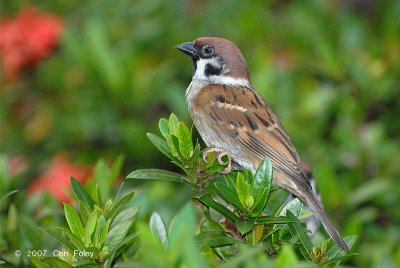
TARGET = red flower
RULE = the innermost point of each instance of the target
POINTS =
(56, 178)
(26, 39)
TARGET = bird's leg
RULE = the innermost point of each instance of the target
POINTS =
(220, 153)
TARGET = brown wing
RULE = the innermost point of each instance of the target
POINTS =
(242, 114)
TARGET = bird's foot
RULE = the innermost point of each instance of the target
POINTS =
(220, 154)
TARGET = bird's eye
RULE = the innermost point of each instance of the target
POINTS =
(208, 50)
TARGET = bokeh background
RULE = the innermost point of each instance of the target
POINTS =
(83, 80)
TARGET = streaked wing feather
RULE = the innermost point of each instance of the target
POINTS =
(253, 124)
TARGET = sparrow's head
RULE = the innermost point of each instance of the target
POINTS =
(216, 60)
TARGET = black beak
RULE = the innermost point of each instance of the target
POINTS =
(188, 48)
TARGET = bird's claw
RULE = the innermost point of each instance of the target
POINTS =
(220, 153)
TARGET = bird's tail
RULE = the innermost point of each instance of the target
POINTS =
(316, 207)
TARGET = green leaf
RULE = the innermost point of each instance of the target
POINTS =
(267, 220)
(336, 252)
(243, 190)
(185, 141)
(101, 231)
(59, 238)
(127, 213)
(81, 193)
(119, 228)
(8, 194)
(175, 147)
(164, 128)
(90, 227)
(210, 202)
(116, 206)
(160, 144)
(296, 230)
(116, 168)
(76, 241)
(369, 190)
(286, 258)
(73, 220)
(229, 195)
(244, 226)
(49, 262)
(173, 124)
(261, 186)
(184, 223)
(85, 211)
(215, 239)
(295, 206)
(275, 201)
(98, 196)
(241, 259)
(157, 227)
(259, 206)
(157, 174)
(230, 180)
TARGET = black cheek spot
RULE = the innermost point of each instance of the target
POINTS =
(253, 125)
(212, 70)
(253, 104)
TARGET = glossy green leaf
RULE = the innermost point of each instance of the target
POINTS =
(101, 231)
(261, 186)
(59, 238)
(173, 124)
(243, 190)
(127, 213)
(117, 205)
(119, 228)
(215, 239)
(157, 174)
(296, 230)
(276, 200)
(210, 202)
(267, 220)
(229, 195)
(85, 211)
(98, 197)
(230, 180)
(175, 147)
(75, 240)
(81, 193)
(164, 128)
(90, 227)
(73, 220)
(160, 144)
(185, 141)
(295, 206)
(158, 229)
(336, 252)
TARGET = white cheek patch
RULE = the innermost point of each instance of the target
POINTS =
(201, 64)
(222, 79)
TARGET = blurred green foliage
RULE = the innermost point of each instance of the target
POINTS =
(329, 69)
